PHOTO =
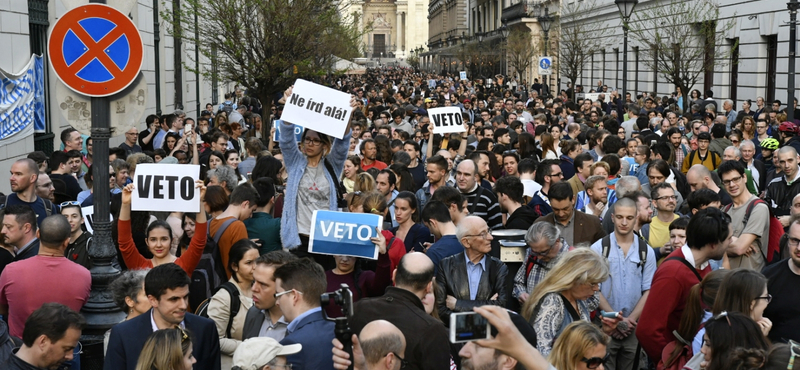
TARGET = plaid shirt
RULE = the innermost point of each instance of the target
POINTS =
(680, 154)
(525, 284)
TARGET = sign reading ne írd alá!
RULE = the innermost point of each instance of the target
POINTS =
(318, 108)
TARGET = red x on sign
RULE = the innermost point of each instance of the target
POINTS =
(95, 50)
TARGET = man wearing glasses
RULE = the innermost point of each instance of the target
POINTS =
(749, 219)
(299, 285)
(783, 279)
(664, 201)
(460, 277)
(130, 145)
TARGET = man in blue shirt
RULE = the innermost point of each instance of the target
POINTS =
(436, 217)
(628, 284)
(298, 285)
(24, 174)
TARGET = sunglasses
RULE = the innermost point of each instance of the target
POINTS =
(595, 362)
(70, 203)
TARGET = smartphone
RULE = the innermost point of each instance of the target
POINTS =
(467, 327)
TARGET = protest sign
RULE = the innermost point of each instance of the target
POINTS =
(344, 233)
(446, 120)
(318, 108)
(595, 96)
(88, 218)
(463, 75)
(166, 187)
(298, 131)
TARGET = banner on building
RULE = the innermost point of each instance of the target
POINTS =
(22, 102)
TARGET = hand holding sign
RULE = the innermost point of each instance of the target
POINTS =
(347, 234)
(380, 242)
(318, 108)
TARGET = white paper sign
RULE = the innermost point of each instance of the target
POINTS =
(594, 96)
(446, 120)
(166, 187)
(318, 108)
(463, 75)
(88, 218)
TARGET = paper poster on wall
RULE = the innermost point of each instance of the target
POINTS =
(344, 233)
(166, 187)
(318, 108)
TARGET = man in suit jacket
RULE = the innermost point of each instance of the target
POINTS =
(756, 167)
(471, 278)
(264, 306)
(576, 227)
(19, 231)
(299, 284)
(167, 289)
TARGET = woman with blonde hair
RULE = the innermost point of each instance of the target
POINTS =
(167, 349)
(580, 346)
(566, 295)
(364, 182)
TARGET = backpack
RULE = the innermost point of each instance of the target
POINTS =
(679, 361)
(48, 206)
(202, 309)
(774, 252)
(209, 273)
(606, 243)
(79, 253)
(227, 107)
(713, 155)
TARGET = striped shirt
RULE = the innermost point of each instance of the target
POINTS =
(487, 207)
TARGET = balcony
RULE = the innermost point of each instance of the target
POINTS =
(522, 9)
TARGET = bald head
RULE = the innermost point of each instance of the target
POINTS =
(30, 166)
(380, 338)
(414, 273)
(54, 232)
(469, 225)
(782, 151)
(698, 177)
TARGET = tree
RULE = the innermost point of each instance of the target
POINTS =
(682, 40)
(520, 51)
(265, 45)
(577, 38)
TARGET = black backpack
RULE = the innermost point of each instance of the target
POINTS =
(227, 108)
(209, 273)
(606, 244)
(48, 206)
(202, 309)
(79, 252)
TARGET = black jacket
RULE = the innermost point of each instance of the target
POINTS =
(427, 342)
(779, 195)
(762, 174)
(453, 281)
(29, 252)
(522, 218)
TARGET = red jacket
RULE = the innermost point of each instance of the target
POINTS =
(134, 260)
(671, 284)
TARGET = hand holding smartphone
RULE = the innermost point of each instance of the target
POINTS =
(468, 326)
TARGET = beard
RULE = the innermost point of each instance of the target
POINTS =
(466, 364)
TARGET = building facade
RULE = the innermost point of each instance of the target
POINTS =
(398, 26)
(166, 85)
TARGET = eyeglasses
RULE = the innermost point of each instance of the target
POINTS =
(278, 295)
(484, 234)
(112, 174)
(668, 197)
(735, 141)
(595, 362)
(793, 242)
(312, 141)
(403, 362)
(285, 366)
(69, 203)
(512, 151)
(768, 298)
(545, 252)
(560, 174)
(731, 181)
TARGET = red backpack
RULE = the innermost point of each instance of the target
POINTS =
(775, 231)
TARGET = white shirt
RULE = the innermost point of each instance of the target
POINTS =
(689, 257)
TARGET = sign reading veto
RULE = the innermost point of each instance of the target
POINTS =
(446, 120)
(174, 192)
(344, 233)
(298, 131)
(318, 108)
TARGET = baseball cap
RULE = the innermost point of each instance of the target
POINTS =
(421, 111)
(254, 353)
(427, 100)
(704, 136)
(467, 101)
(788, 127)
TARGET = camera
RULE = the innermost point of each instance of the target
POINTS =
(344, 298)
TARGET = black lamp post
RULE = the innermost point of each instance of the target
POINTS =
(625, 11)
(480, 46)
(793, 5)
(504, 30)
(545, 21)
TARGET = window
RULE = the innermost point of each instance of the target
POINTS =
(772, 61)
(38, 25)
(734, 68)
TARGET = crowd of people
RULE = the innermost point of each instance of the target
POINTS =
(654, 237)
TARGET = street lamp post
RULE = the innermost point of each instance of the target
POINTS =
(480, 47)
(625, 11)
(793, 5)
(504, 30)
(545, 21)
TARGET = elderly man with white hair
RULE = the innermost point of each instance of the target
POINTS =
(756, 167)
(730, 113)
(732, 153)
